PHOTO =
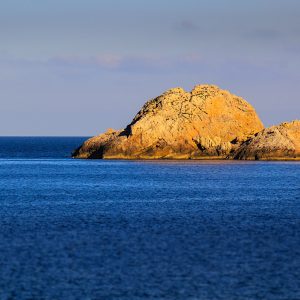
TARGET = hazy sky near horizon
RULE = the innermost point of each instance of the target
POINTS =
(70, 67)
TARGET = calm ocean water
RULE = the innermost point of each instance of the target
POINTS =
(75, 229)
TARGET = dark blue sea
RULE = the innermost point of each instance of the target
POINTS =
(190, 230)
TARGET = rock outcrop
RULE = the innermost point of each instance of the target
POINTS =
(280, 142)
(205, 123)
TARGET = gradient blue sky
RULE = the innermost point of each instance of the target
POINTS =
(70, 67)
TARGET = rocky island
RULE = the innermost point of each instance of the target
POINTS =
(206, 123)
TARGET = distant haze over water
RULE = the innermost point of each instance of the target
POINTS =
(80, 67)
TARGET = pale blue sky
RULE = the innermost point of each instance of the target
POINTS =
(70, 67)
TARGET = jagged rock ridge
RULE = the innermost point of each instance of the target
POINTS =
(205, 123)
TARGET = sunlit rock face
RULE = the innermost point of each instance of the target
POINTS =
(205, 123)
(276, 142)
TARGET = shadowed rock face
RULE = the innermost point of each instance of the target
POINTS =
(276, 142)
(205, 123)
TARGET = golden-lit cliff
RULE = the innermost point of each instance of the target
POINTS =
(207, 122)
